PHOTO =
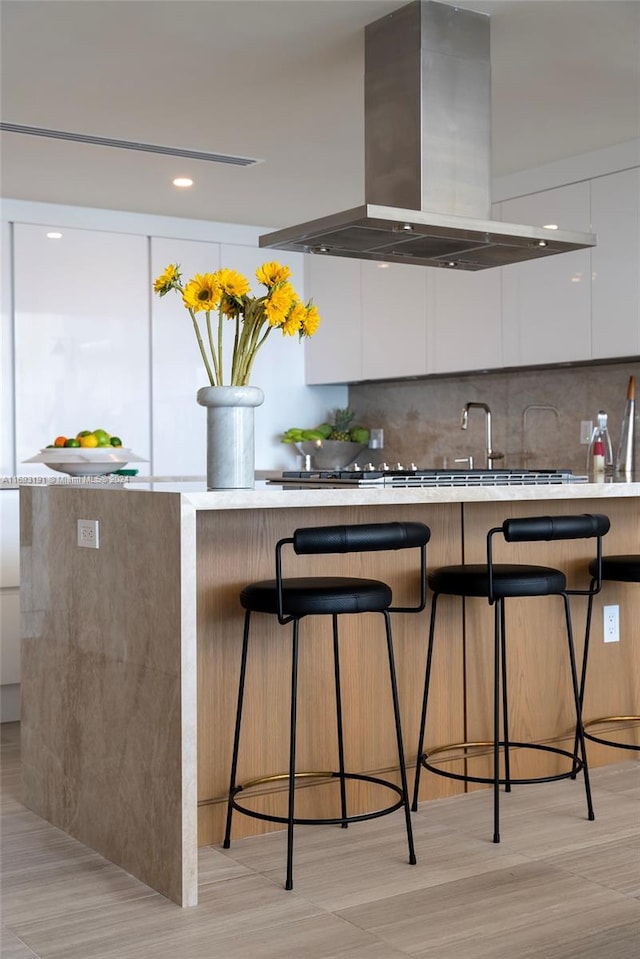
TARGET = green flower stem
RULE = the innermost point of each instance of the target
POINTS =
(235, 355)
(252, 355)
(252, 317)
(220, 353)
(202, 349)
(214, 355)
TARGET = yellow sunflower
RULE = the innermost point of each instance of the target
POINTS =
(269, 274)
(233, 286)
(227, 293)
(201, 293)
(167, 280)
(310, 321)
(293, 322)
(232, 283)
(278, 304)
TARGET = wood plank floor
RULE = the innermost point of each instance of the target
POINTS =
(557, 887)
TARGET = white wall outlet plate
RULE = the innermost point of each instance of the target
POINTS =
(89, 533)
(611, 624)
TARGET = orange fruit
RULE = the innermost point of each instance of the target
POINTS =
(89, 442)
(60, 441)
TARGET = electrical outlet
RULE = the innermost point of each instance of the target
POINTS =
(611, 624)
(89, 533)
(586, 429)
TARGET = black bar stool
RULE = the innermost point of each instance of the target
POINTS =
(496, 582)
(619, 569)
(293, 599)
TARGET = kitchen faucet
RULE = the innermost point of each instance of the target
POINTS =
(490, 454)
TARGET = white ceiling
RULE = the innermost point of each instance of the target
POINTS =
(280, 80)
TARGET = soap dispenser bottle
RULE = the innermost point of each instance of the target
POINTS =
(599, 454)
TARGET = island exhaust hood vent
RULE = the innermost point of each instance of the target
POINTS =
(427, 154)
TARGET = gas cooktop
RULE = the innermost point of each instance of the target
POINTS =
(427, 477)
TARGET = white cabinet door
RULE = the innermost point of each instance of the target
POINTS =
(615, 261)
(81, 337)
(465, 321)
(394, 320)
(334, 354)
(546, 304)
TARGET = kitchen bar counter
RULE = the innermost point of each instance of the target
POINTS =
(130, 652)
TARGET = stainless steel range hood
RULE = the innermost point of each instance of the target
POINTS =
(427, 154)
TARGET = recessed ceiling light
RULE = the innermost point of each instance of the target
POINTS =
(54, 236)
(550, 226)
(183, 181)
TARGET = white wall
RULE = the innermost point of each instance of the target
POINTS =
(85, 344)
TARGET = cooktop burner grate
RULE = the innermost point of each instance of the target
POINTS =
(425, 477)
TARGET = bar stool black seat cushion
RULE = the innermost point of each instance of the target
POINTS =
(624, 569)
(509, 579)
(318, 595)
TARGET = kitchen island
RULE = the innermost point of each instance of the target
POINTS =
(130, 652)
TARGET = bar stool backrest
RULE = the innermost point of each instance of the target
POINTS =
(358, 538)
(530, 529)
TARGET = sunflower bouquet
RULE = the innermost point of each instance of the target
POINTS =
(226, 293)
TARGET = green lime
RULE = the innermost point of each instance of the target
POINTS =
(72, 442)
(101, 434)
(115, 441)
(82, 433)
(103, 440)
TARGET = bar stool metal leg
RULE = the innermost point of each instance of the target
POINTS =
(497, 641)
(336, 667)
(425, 697)
(236, 736)
(505, 705)
(576, 698)
(396, 716)
(292, 755)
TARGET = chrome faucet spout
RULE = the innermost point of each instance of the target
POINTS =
(490, 453)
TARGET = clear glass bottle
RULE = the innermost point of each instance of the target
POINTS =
(599, 453)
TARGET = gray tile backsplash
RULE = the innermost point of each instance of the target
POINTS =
(536, 415)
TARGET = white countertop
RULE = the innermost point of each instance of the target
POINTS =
(266, 496)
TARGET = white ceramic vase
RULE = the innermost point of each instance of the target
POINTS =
(230, 435)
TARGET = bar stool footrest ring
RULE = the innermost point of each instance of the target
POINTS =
(609, 742)
(576, 763)
(337, 820)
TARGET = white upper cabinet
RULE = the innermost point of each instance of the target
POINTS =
(546, 304)
(334, 354)
(81, 337)
(394, 325)
(615, 262)
(465, 330)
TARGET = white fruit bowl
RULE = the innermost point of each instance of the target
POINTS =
(330, 454)
(81, 461)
